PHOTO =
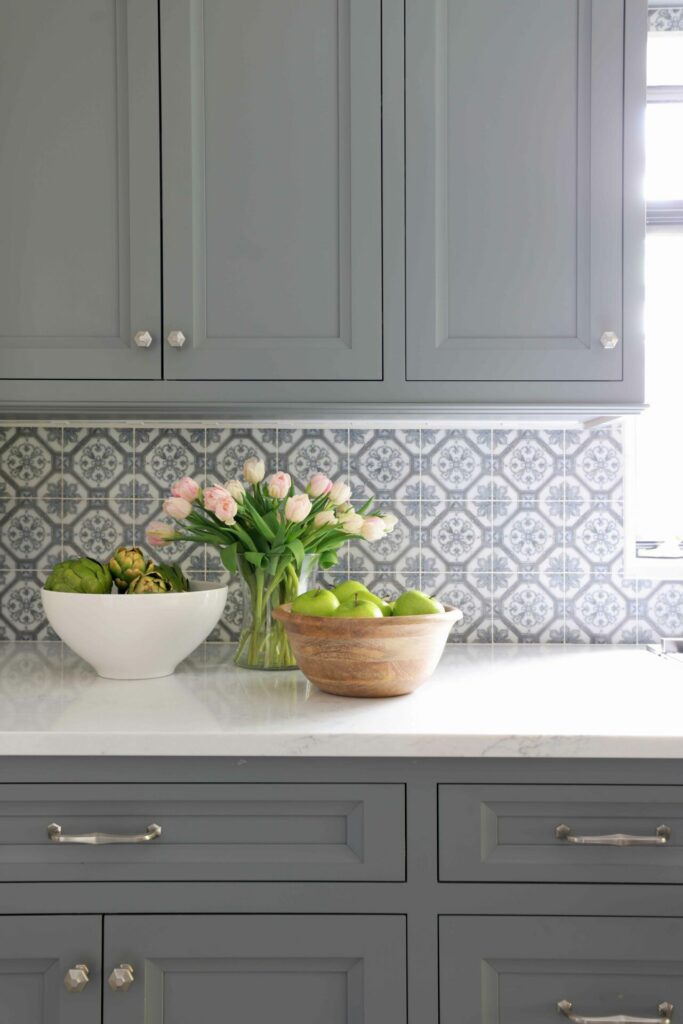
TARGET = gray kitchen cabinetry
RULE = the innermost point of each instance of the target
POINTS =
(523, 218)
(293, 969)
(408, 205)
(79, 190)
(529, 968)
(39, 956)
(272, 156)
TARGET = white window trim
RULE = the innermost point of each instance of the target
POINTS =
(640, 567)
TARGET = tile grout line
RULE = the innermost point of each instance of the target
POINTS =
(491, 511)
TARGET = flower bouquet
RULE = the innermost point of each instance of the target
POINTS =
(274, 537)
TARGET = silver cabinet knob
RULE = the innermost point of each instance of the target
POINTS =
(121, 978)
(609, 340)
(176, 339)
(143, 339)
(76, 978)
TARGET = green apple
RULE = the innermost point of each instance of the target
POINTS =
(358, 608)
(414, 602)
(379, 601)
(316, 602)
(345, 591)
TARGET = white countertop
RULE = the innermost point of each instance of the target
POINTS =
(483, 701)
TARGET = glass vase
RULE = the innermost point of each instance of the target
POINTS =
(263, 642)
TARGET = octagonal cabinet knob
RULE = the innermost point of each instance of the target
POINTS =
(76, 978)
(609, 340)
(143, 339)
(176, 339)
(121, 978)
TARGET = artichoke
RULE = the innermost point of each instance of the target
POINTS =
(173, 575)
(126, 565)
(150, 583)
(79, 576)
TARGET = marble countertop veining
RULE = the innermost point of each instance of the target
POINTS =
(483, 701)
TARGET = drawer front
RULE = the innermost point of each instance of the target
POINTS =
(499, 833)
(280, 832)
(509, 970)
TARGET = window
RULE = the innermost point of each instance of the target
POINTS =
(655, 470)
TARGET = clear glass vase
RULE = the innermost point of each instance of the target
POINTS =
(263, 642)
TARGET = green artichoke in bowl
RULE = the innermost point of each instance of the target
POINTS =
(127, 565)
(80, 576)
(173, 575)
(150, 583)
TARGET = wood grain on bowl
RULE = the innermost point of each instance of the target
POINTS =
(385, 657)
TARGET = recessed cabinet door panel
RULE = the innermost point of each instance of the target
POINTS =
(272, 188)
(79, 189)
(35, 955)
(515, 970)
(514, 122)
(260, 969)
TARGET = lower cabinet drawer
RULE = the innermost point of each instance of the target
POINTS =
(551, 833)
(522, 970)
(254, 831)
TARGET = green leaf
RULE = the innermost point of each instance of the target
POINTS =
(229, 557)
(328, 559)
(256, 558)
(363, 509)
(298, 550)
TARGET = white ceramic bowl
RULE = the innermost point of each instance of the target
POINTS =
(136, 636)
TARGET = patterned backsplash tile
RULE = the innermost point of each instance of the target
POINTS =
(523, 529)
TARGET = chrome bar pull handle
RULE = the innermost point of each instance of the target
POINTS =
(56, 835)
(665, 1011)
(660, 838)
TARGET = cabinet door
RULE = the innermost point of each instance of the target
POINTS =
(514, 122)
(35, 955)
(272, 188)
(509, 970)
(293, 969)
(79, 189)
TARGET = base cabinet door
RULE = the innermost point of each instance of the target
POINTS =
(50, 969)
(288, 968)
(509, 970)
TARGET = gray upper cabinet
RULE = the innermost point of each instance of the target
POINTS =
(272, 188)
(516, 209)
(36, 955)
(258, 968)
(79, 189)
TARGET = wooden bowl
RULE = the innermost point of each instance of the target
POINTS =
(384, 657)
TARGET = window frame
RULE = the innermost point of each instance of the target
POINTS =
(660, 215)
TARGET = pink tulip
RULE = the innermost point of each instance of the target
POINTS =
(325, 519)
(159, 534)
(318, 485)
(254, 470)
(186, 488)
(340, 493)
(372, 528)
(297, 508)
(353, 523)
(279, 485)
(212, 495)
(226, 510)
(389, 521)
(177, 508)
(236, 489)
